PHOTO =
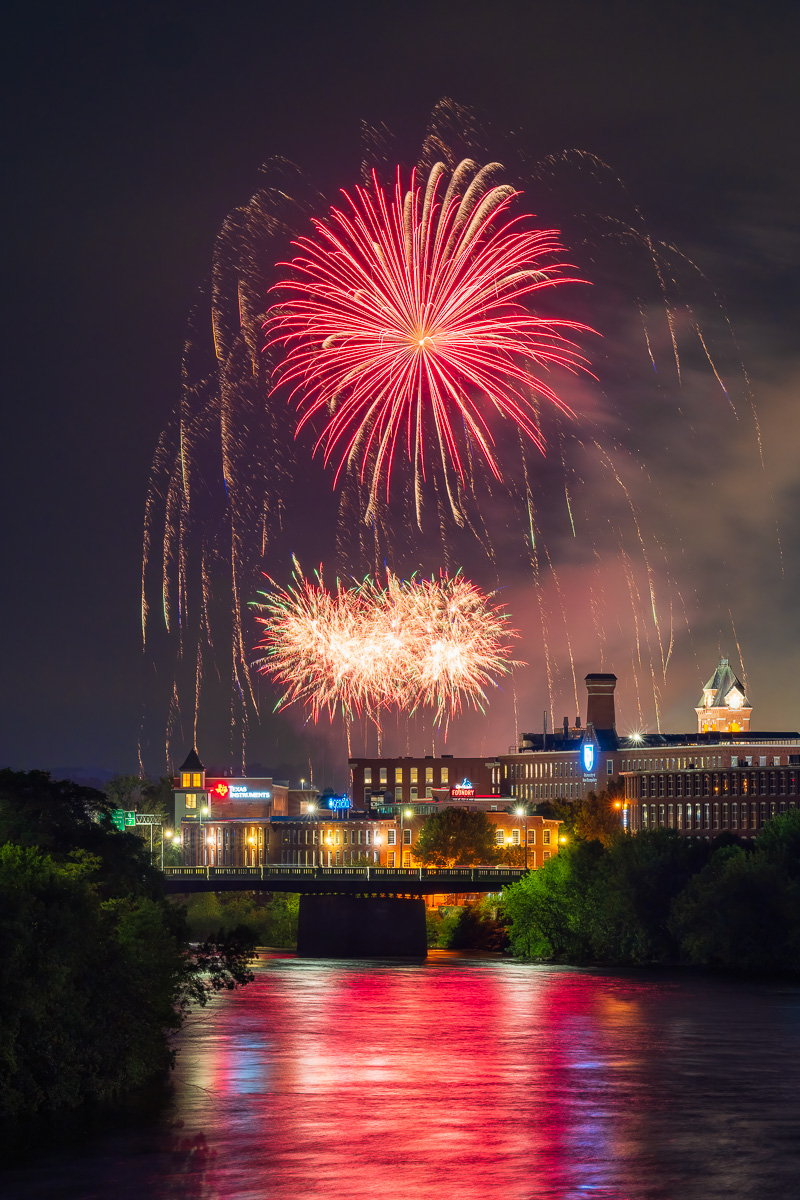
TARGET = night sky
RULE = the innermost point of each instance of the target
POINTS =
(132, 130)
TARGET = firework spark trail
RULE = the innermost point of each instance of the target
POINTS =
(739, 649)
(408, 644)
(404, 308)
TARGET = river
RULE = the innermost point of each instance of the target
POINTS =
(460, 1079)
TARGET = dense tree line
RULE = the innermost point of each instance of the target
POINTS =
(660, 897)
(96, 966)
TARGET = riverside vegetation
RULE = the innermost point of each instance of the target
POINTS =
(663, 898)
(97, 967)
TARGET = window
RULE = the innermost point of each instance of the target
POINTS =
(391, 859)
(383, 776)
(398, 794)
(406, 837)
(367, 774)
(344, 837)
(191, 800)
(186, 779)
(391, 837)
(369, 836)
(515, 837)
(531, 837)
(429, 774)
(413, 773)
(546, 855)
(197, 779)
(546, 837)
(359, 837)
(499, 837)
(398, 774)
(609, 766)
(428, 793)
(367, 797)
(445, 775)
(414, 793)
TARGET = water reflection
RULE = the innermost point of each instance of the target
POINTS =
(464, 1079)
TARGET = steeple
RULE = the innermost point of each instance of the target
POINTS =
(724, 707)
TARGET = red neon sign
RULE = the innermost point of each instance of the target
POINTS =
(462, 793)
(221, 790)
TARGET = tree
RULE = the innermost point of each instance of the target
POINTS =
(456, 836)
(596, 818)
(96, 969)
(550, 910)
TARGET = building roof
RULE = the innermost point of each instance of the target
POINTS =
(192, 762)
(721, 683)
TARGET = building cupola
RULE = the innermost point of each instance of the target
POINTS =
(192, 772)
(723, 707)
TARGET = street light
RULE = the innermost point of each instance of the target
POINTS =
(404, 812)
(165, 833)
(204, 811)
(523, 812)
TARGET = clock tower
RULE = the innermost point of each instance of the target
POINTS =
(724, 707)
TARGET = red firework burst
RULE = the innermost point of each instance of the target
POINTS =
(412, 305)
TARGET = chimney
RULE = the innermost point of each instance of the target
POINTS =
(600, 702)
(566, 727)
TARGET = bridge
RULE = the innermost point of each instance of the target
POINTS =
(351, 912)
(343, 881)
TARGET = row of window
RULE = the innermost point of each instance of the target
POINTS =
(413, 775)
(709, 815)
(501, 837)
(566, 769)
(702, 762)
(191, 779)
(737, 783)
(333, 837)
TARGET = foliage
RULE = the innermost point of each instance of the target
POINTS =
(594, 817)
(456, 836)
(660, 897)
(270, 919)
(95, 965)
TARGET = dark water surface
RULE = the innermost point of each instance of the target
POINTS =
(462, 1079)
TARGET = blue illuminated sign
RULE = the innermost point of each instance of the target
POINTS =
(588, 757)
(339, 802)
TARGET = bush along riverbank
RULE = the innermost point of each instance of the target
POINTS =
(97, 969)
(662, 898)
(270, 919)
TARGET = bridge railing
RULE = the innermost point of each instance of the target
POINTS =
(278, 871)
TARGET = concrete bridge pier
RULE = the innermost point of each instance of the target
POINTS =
(337, 926)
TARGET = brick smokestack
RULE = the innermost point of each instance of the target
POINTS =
(600, 702)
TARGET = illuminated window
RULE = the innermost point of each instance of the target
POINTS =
(531, 837)
(406, 837)
(359, 837)
(398, 774)
(367, 774)
(406, 860)
(197, 779)
(428, 793)
(186, 779)
(398, 794)
(445, 775)
(369, 836)
(499, 837)
(413, 772)
(546, 837)
(391, 837)
(414, 793)
(391, 859)
(546, 854)
(191, 800)
(609, 766)
(344, 837)
(383, 776)
(515, 837)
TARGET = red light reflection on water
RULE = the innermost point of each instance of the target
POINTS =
(454, 1081)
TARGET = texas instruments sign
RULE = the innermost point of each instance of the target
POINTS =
(231, 790)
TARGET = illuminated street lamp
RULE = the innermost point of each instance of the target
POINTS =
(523, 812)
(404, 812)
(165, 833)
(204, 811)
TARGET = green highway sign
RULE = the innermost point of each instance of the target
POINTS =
(118, 819)
(130, 818)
